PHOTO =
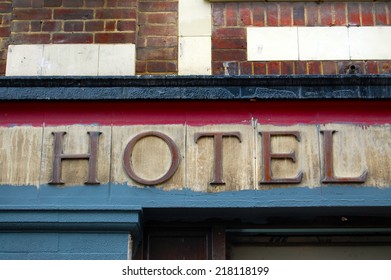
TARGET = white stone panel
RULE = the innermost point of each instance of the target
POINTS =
(117, 59)
(323, 43)
(272, 43)
(370, 42)
(70, 60)
(195, 56)
(195, 18)
(24, 60)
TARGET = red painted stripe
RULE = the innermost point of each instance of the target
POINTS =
(194, 112)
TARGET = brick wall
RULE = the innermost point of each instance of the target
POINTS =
(157, 37)
(229, 49)
(5, 19)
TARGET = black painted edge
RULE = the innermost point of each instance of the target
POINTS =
(282, 87)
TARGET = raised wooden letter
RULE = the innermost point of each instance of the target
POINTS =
(328, 163)
(127, 159)
(59, 156)
(268, 155)
(218, 152)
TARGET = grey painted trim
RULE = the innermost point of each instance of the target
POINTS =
(312, 87)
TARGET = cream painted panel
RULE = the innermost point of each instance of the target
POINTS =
(370, 42)
(117, 60)
(238, 163)
(151, 156)
(70, 60)
(20, 155)
(24, 60)
(272, 43)
(306, 151)
(76, 141)
(194, 56)
(323, 43)
(195, 18)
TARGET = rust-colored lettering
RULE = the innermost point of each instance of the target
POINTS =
(328, 163)
(268, 155)
(127, 158)
(218, 152)
(59, 156)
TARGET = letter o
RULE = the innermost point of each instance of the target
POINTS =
(127, 162)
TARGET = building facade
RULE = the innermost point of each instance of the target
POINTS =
(195, 129)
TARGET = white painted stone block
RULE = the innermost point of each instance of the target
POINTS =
(70, 60)
(272, 43)
(370, 42)
(24, 60)
(195, 18)
(117, 60)
(323, 43)
(195, 56)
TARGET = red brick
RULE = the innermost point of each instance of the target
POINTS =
(298, 14)
(231, 14)
(111, 3)
(121, 37)
(52, 3)
(4, 31)
(285, 14)
(258, 14)
(21, 3)
(314, 68)
(340, 14)
(372, 67)
(245, 14)
(51, 26)
(72, 38)
(287, 68)
(73, 26)
(126, 3)
(311, 14)
(2, 67)
(157, 53)
(158, 30)
(36, 26)
(300, 67)
(329, 67)
(389, 12)
(129, 25)
(217, 68)
(156, 18)
(37, 4)
(231, 43)
(73, 3)
(115, 14)
(274, 68)
(259, 68)
(353, 14)
(94, 3)
(161, 67)
(110, 25)
(94, 25)
(326, 18)
(5, 8)
(158, 6)
(6, 19)
(246, 68)
(272, 14)
(141, 67)
(230, 33)
(161, 41)
(69, 14)
(367, 14)
(20, 26)
(218, 14)
(380, 10)
(26, 38)
(32, 14)
(229, 55)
